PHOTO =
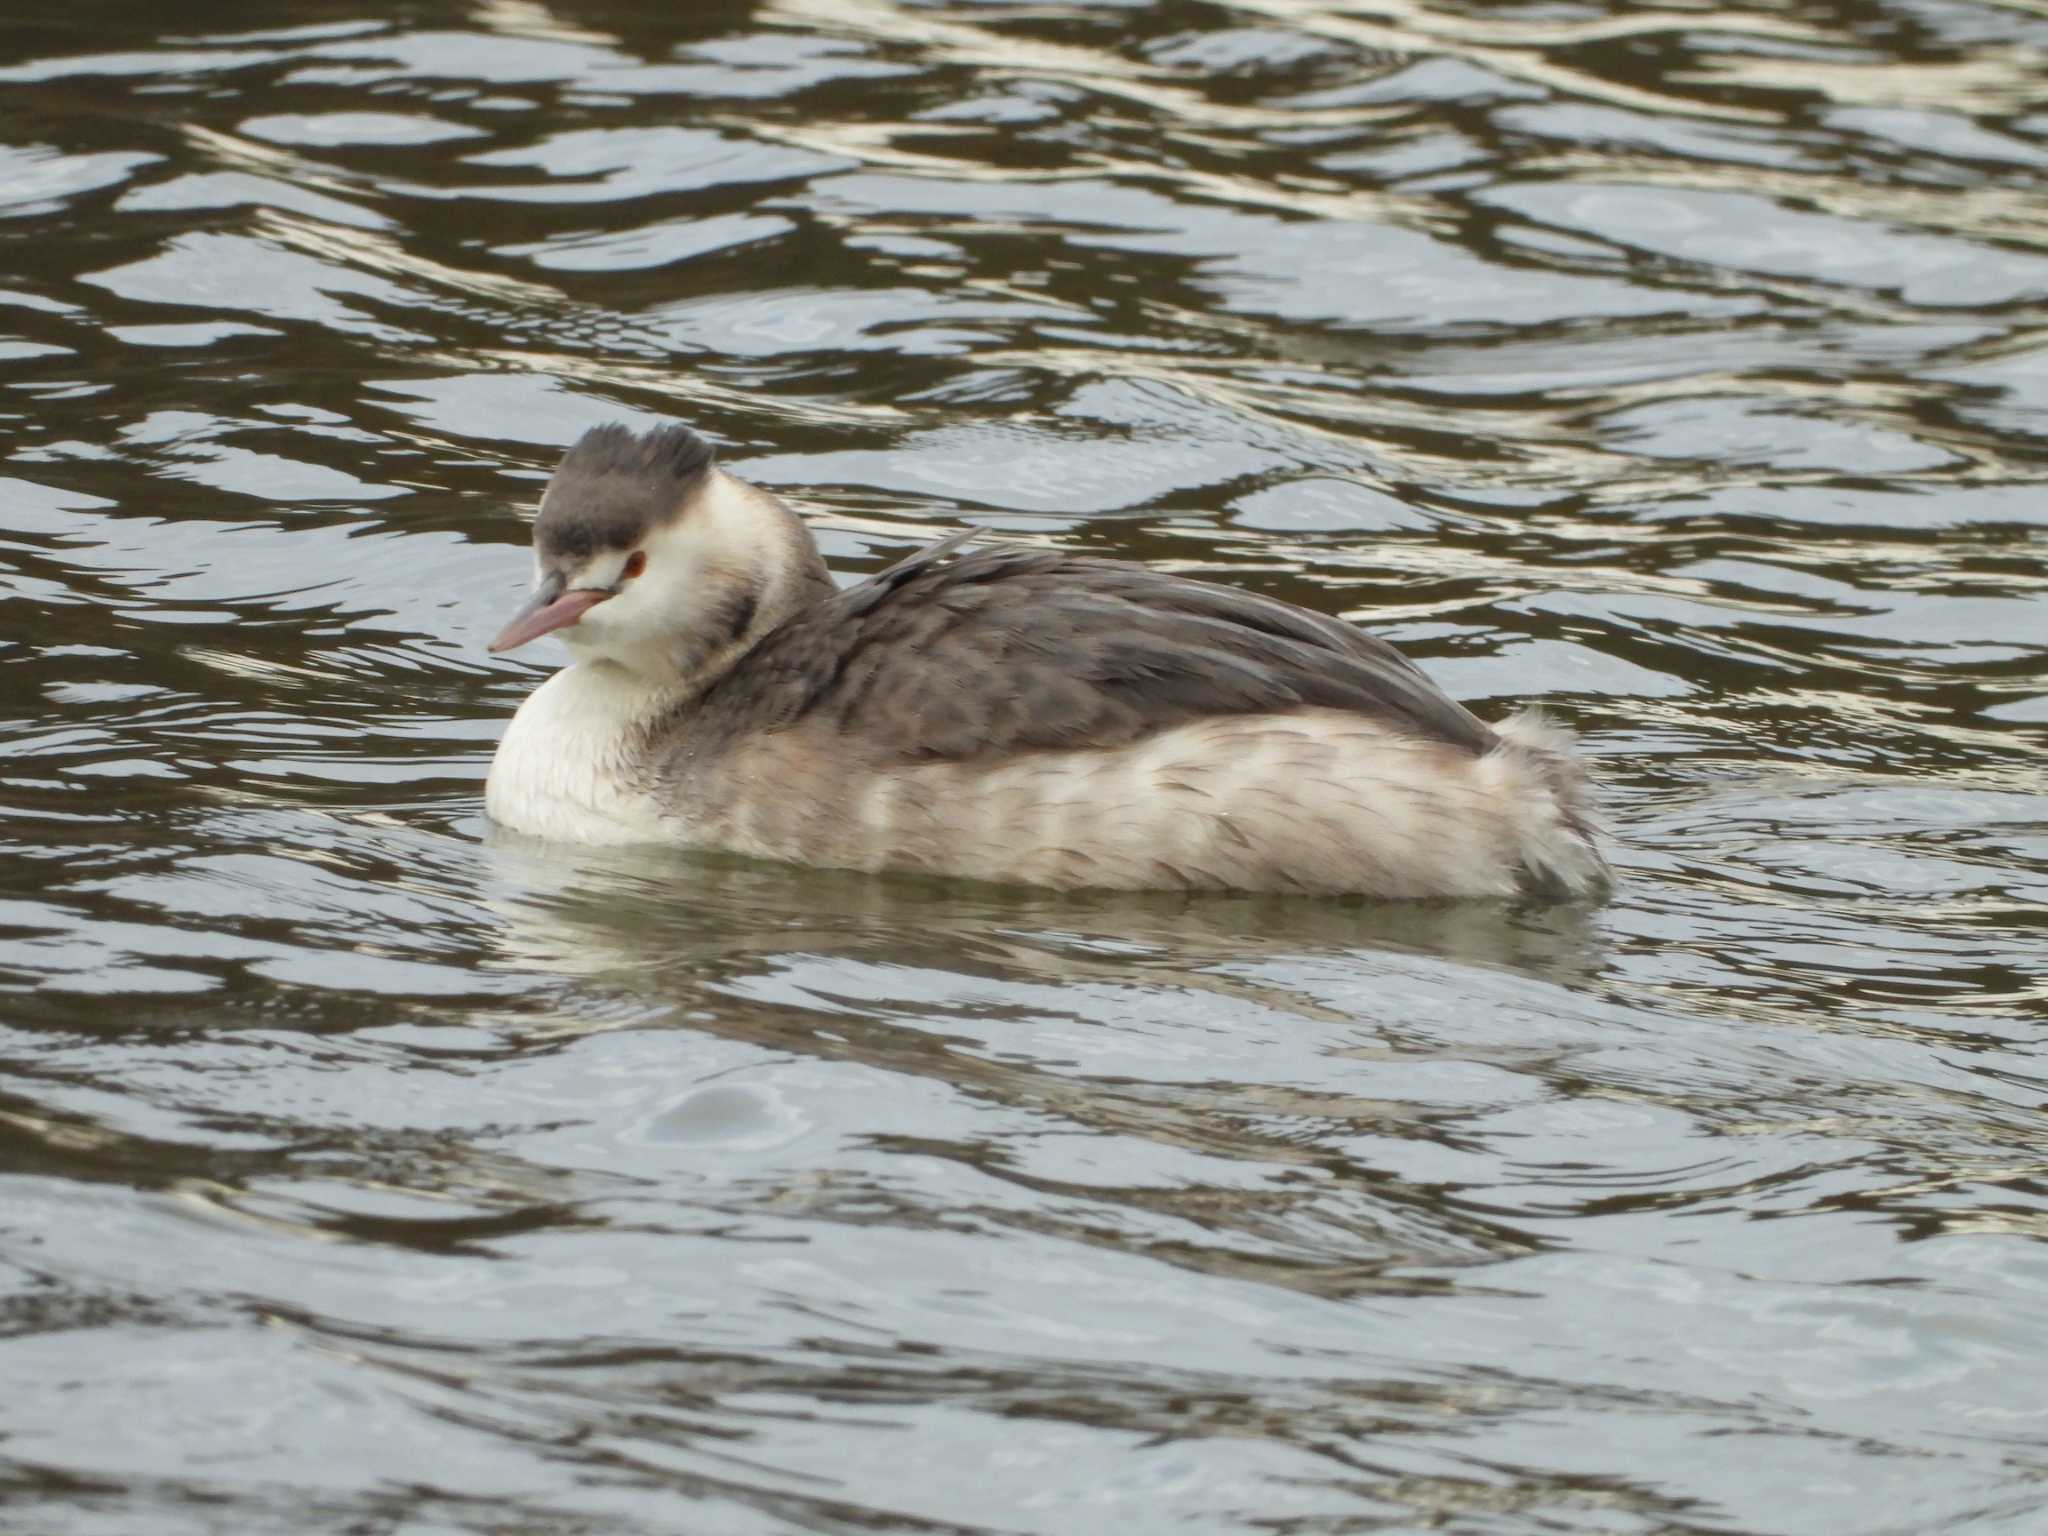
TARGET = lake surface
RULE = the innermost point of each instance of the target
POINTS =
(1681, 369)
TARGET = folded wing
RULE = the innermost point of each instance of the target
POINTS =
(1000, 651)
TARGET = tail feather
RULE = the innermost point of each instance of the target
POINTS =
(1556, 831)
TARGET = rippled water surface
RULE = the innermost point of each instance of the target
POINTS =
(1682, 369)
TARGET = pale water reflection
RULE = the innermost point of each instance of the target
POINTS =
(368, 1170)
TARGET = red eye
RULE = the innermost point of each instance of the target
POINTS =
(636, 562)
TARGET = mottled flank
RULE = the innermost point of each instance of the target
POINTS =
(1004, 714)
(1314, 801)
(613, 485)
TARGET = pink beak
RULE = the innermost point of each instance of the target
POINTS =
(548, 610)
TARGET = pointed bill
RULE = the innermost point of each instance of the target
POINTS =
(549, 609)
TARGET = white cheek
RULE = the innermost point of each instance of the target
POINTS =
(611, 615)
(674, 578)
(620, 627)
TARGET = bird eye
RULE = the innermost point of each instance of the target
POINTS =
(636, 562)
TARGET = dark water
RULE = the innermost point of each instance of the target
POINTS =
(1681, 368)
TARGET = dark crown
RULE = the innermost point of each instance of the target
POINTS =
(614, 485)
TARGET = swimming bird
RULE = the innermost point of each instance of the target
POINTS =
(1011, 714)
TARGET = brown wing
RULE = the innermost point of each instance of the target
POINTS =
(1008, 650)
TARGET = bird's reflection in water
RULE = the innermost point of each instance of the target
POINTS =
(651, 919)
(1239, 1039)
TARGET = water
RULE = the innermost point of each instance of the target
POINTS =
(1679, 369)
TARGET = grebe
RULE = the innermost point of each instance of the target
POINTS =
(1007, 714)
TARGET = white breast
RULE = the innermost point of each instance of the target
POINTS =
(562, 770)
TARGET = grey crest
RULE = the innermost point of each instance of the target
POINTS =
(614, 485)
